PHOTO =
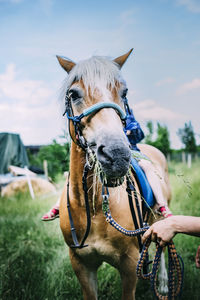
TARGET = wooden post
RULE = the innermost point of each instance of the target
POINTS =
(183, 157)
(189, 160)
(45, 166)
(29, 183)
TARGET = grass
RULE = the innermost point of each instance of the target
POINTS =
(34, 261)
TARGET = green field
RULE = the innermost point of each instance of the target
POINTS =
(34, 258)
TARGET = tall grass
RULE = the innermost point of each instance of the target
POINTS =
(186, 200)
(34, 258)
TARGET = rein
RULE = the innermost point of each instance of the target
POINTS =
(175, 269)
(175, 266)
(87, 208)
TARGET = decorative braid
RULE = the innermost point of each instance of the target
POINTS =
(141, 262)
(119, 228)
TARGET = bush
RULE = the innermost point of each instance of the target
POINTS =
(57, 156)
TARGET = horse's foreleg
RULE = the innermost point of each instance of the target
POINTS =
(128, 276)
(87, 277)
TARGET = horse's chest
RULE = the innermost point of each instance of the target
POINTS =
(99, 250)
(104, 242)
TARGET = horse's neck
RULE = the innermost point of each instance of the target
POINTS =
(77, 162)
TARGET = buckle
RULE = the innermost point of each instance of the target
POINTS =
(105, 198)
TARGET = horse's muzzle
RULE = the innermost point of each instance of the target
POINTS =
(114, 157)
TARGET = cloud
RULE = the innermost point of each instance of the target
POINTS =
(150, 110)
(192, 5)
(35, 126)
(29, 107)
(24, 91)
(165, 81)
(189, 86)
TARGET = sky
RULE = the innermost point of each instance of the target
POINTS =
(162, 73)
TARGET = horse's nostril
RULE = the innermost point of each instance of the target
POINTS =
(100, 151)
(103, 153)
(92, 145)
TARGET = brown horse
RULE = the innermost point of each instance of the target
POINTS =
(93, 81)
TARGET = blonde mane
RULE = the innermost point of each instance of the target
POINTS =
(96, 71)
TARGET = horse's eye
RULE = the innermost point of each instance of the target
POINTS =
(124, 93)
(74, 95)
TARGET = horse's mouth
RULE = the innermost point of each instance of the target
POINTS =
(111, 182)
(105, 179)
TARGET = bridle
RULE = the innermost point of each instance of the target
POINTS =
(76, 120)
(125, 116)
(128, 120)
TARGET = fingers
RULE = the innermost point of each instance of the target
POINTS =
(154, 237)
(146, 235)
(158, 240)
(162, 243)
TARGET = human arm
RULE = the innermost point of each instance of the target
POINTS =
(164, 230)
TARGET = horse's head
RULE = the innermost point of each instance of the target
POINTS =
(93, 81)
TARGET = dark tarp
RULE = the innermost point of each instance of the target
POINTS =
(12, 152)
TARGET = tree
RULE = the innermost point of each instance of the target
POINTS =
(162, 141)
(57, 156)
(149, 135)
(187, 137)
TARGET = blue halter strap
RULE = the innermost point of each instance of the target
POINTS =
(132, 128)
(96, 107)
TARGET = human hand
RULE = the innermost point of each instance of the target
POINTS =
(161, 232)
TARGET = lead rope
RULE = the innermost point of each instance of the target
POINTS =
(175, 267)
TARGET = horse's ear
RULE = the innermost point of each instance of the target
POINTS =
(65, 63)
(122, 59)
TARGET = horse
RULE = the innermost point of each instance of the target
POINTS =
(95, 92)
